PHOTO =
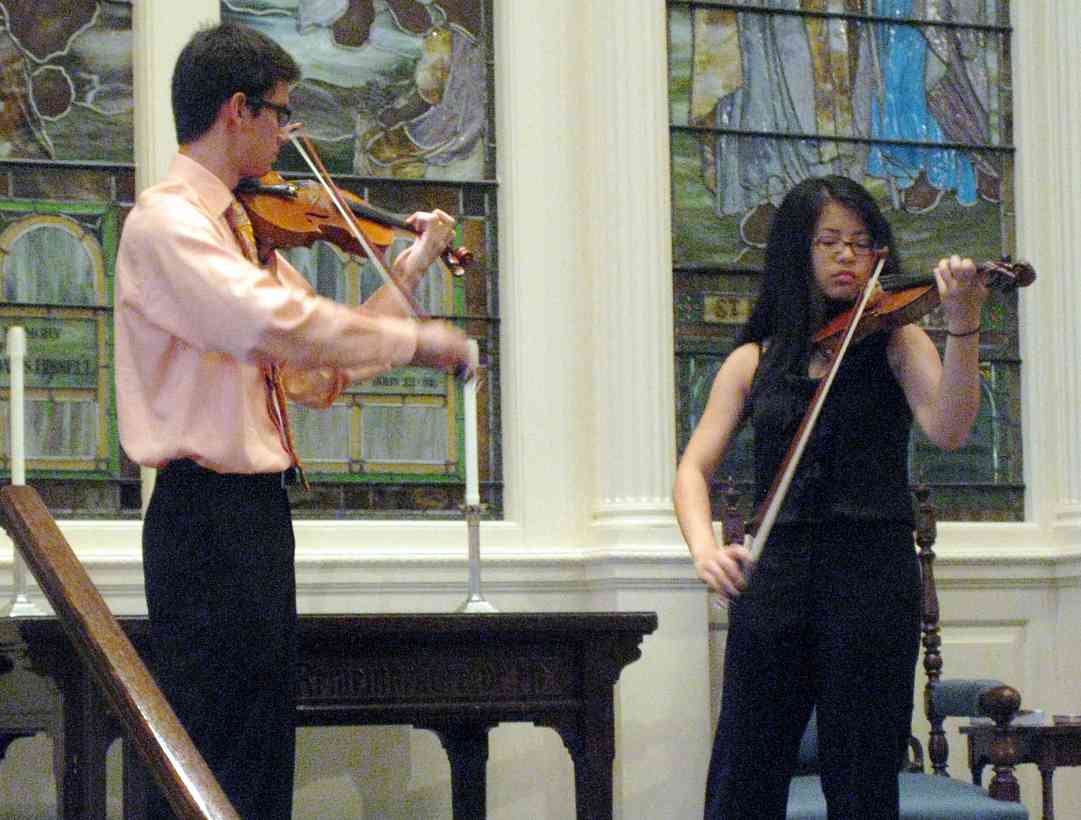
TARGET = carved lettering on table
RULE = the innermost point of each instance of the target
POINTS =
(330, 679)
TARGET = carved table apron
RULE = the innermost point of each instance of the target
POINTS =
(456, 674)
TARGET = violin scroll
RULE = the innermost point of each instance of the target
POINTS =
(1006, 275)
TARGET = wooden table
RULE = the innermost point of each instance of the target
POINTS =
(1047, 745)
(455, 674)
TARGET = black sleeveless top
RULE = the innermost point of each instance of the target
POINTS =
(856, 464)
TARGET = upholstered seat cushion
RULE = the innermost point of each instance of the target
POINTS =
(951, 800)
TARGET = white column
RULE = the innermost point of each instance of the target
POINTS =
(160, 31)
(638, 560)
(1047, 125)
(544, 279)
(628, 246)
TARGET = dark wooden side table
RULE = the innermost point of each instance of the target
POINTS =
(1047, 745)
(456, 674)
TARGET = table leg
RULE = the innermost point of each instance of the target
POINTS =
(977, 771)
(467, 751)
(592, 787)
(137, 782)
(592, 756)
(1046, 776)
(81, 788)
(68, 750)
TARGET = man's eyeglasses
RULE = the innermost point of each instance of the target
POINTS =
(861, 246)
(284, 113)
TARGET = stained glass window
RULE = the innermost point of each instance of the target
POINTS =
(912, 98)
(66, 180)
(397, 99)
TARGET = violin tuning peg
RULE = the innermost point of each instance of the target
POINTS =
(463, 257)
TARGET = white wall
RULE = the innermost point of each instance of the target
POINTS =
(589, 442)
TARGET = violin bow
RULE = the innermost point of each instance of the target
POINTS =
(319, 170)
(755, 540)
(411, 305)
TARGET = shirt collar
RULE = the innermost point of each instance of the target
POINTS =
(210, 189)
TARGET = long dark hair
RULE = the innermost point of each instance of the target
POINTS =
(791, 306)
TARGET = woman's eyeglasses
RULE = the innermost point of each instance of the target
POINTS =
(861, 246)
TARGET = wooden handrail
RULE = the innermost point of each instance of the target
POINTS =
(164, 745)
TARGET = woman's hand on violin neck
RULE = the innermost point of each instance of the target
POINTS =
(962, 293)
(723, 569)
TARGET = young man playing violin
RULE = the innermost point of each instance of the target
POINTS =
(208, 338)
(829, 618)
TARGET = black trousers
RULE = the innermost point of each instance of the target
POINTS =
(218, 560)
(830, 619)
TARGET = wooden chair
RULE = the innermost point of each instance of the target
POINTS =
(934, 795)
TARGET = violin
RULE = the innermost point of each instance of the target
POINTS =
(295, 214)
(903, 299)
(287, 215)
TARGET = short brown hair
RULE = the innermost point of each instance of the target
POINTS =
(216, 63)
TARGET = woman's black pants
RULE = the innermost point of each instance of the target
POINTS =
(830, 620)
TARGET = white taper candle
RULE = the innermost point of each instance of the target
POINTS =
(469, 420)
(16, 343)
(20, 605)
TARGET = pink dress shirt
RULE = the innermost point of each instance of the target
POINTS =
(195, 322)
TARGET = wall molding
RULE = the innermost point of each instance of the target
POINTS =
(364, 560)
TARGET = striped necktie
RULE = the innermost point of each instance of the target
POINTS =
(238, 220)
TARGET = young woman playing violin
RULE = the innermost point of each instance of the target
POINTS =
(829, 617)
